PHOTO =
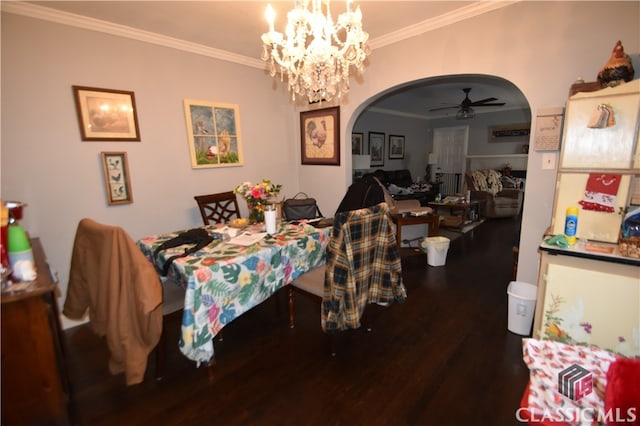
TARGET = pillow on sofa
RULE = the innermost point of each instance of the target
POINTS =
(486, 180)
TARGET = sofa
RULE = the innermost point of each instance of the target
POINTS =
(498, 195)
(401, 186)
(401, 178)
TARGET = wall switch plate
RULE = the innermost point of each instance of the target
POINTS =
(549, 161)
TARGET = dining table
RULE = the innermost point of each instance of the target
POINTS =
(231, 275)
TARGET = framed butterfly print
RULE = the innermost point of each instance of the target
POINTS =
(116, 178)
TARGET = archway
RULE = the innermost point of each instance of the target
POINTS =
(413, 110)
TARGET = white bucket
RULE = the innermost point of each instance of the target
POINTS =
(436, 249)
(522, 303)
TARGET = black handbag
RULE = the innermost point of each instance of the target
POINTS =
(300, 208)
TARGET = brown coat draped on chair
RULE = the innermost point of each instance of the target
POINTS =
(111, 277)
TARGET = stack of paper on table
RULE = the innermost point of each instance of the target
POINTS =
(246, 238)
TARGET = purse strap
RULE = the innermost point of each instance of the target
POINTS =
(300, 193)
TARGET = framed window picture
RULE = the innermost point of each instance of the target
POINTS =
(396, 146)
(213, 130)
(357, 142)
(106, 115)
(376, 149)
(116, 178)
(320, 136)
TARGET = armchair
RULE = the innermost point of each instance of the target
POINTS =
(494, 198)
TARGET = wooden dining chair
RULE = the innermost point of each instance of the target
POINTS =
(218, 208)
(106, 263)
(362, 266)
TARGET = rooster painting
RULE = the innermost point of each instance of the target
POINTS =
(618, 69)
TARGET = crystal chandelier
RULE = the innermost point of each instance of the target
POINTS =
(314, 53)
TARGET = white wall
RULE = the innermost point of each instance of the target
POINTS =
(415, 135)
(539, 46)
(46, 165)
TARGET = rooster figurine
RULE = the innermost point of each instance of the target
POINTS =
(617, 69)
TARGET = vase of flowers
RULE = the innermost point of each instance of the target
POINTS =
(257, 197)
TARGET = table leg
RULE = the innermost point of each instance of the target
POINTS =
(399, 233)
(210, 365)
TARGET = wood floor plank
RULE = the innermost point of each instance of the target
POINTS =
(442, 357)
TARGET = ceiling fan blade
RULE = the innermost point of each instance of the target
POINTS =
(495, 104)
(484, 101)
(447, 107)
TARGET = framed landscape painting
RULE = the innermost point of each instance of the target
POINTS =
(105, 114)
(396, 146)
(213, 130)
(357, 142)
(376, 148)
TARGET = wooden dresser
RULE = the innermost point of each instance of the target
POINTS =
(35, 388)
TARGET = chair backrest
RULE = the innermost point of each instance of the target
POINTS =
(363, 266)
(218, 208)
(111, 278)
(361, 194)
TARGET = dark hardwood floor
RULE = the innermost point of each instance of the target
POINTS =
(444, 357)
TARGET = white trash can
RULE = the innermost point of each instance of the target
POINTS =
(436, 249)
(522, 304)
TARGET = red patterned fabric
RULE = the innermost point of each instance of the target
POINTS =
(622, 396)
(601, 191)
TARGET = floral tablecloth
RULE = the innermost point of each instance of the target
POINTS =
(224, 280)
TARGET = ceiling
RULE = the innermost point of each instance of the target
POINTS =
(232, 30)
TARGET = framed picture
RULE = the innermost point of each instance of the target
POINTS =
(116, 178)
(376, 148)
(357, 142)
(213, 130)
(514, 132)
(106, 115)
(320, 136)
(396, 146)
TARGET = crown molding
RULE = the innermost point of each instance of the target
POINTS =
(92, 24)
(466, 12)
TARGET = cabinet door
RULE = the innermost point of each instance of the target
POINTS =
(592, 302)
(592, 225)
(612, 145)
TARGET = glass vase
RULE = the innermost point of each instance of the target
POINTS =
(256, 213)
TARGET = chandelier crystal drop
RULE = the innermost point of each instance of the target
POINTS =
(314, 53)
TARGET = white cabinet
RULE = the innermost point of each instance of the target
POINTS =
(589, 300)
(590, 144)
(592, 224)
(588, 293)
(595, 152)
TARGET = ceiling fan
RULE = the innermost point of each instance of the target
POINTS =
(465, 109)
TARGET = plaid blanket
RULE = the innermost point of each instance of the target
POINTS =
(362, 266)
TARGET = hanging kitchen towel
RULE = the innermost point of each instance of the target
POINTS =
(601, 191)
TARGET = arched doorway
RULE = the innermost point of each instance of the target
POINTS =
(415, 110)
